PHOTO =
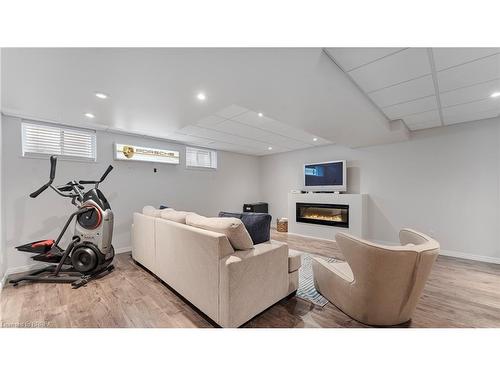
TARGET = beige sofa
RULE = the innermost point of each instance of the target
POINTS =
(229, 286)
(378, 285)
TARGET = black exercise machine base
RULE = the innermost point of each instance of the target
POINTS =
(68, 276)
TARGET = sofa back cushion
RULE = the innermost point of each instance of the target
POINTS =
(258, 225)
(151, 211)
(232, 228)
(173, 215)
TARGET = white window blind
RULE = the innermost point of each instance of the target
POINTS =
(201, 158)
(70, 143)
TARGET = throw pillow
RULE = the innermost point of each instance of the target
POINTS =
(151, 211)
(233, 228)
(258, 225)
(173, 215)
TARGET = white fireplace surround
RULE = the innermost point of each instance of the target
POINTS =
(357, 214)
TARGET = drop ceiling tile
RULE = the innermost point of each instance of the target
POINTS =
(276, 127)
(466, 117)
(251, 132)
(425, 125)
(472, 73)
(397, 111)
(411, 90)
(351, 58)
(231, 111)
(408, 64)
(210, 120)
(223, 137)
(234, 148)
(252, 118)
(188, 139)
(485, 105)
(470, 93)
(424, 117)
(447, 57)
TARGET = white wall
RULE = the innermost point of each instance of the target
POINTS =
(129, 187)
(3, 264)
(444, 182)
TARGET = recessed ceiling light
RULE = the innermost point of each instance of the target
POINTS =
(260, 114)
(101, 95)
(269, 148)
(89, 115)
(201, 96)
(315, 139)
(495, 94)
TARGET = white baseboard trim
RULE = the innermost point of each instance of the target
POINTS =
(478, 258)
(121, 250)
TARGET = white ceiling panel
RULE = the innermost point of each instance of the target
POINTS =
(478, 71)
(411, 90)
(425, 125)
(351, 58)
(292, 132)
(265, 123)
(252, 118)
(447, 57)
(424, 117)
(236, 148)
(408, 64)
(485, 105)
(250, 132)
(455, 83)
(470, 93)
(223, 137)
(409, 108)
(210, 120)
(189, 139)
(231, 111)
(243, 137)
(470, 116)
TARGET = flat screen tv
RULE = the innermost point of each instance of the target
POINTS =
(325, 176)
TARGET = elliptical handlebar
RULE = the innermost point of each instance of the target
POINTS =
(103, 177)
(70, 186)
(52, 175)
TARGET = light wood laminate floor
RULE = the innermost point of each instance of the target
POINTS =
(459, 293)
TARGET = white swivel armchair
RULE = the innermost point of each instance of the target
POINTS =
(377, 285)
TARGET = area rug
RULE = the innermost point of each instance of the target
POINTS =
(306, 290)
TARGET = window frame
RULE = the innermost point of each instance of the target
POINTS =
(61, 127)
(201, 168)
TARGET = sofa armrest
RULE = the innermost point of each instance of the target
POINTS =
(251, 281)
(143, 240)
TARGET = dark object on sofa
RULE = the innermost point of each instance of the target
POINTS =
(162, 207)
(258, 225)
(256, 207)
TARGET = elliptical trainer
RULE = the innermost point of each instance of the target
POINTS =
(90, 252)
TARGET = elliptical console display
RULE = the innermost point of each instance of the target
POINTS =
(90, 252)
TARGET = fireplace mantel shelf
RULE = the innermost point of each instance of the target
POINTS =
(357, 214)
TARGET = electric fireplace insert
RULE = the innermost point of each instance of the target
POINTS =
(336, 215)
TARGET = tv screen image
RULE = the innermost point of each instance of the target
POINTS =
(325, 176)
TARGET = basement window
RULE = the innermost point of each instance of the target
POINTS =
(201, 158)
(69, 143)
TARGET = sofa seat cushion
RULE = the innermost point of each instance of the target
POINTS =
(294, 260)
(232, 228)
(173, 215)
(258, 225)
